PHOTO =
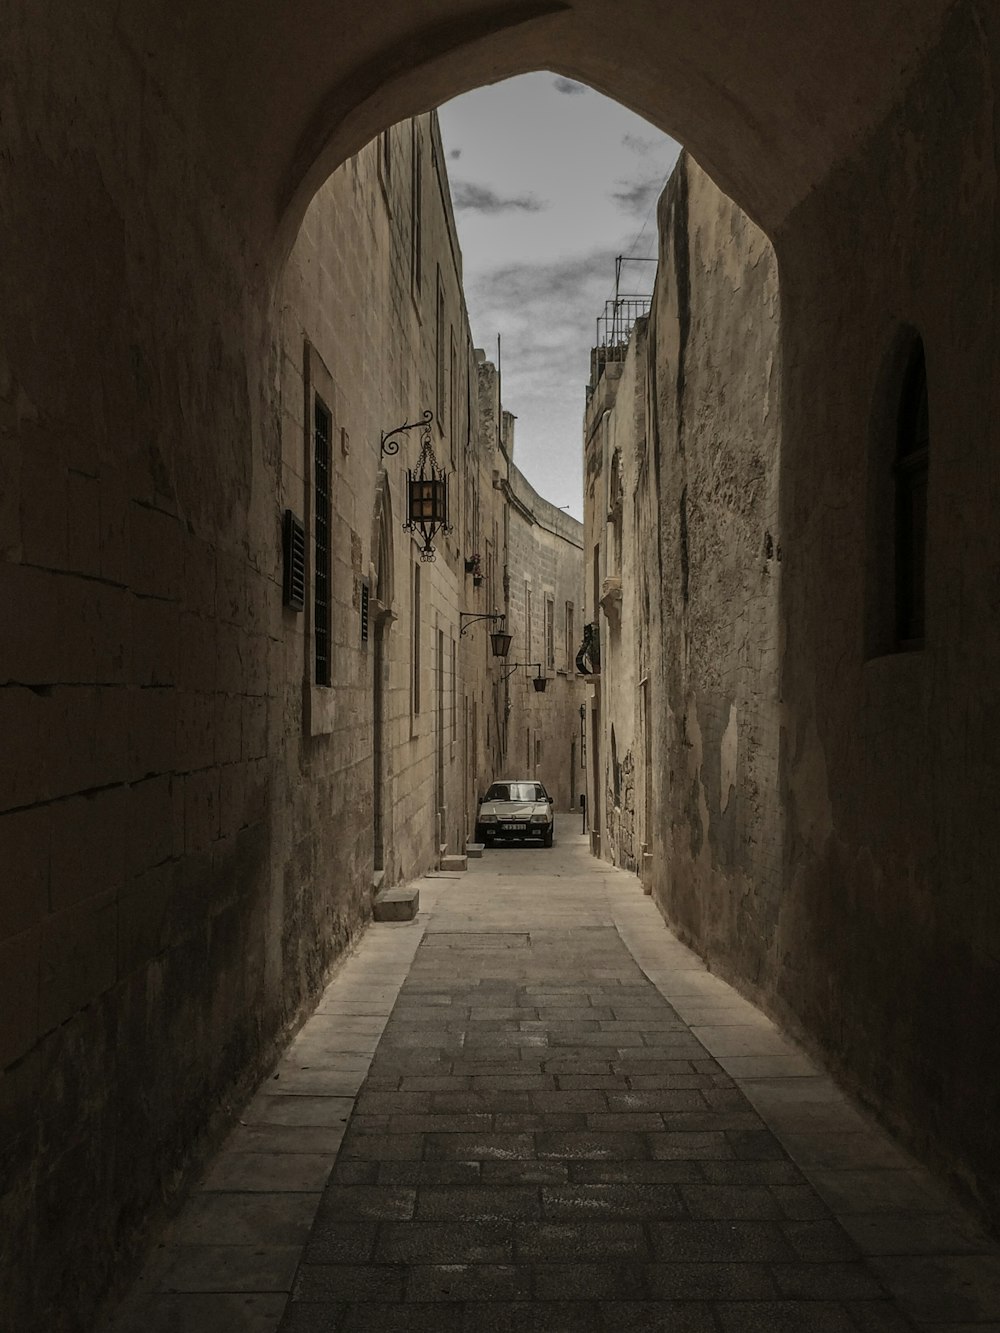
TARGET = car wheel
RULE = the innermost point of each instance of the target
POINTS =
(547, 837)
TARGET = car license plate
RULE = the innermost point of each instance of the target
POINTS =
(516, 828)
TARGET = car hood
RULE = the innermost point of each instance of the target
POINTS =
(514, 809)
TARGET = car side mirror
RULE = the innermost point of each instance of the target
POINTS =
(550, 799)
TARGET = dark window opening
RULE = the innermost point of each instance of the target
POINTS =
(321, 547)
(912, 451)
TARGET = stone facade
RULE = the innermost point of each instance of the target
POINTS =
(794, 819)
(273, 766)
(545, 580)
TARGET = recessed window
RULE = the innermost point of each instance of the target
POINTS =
(912, 452)
(896, 528)
(321, 543)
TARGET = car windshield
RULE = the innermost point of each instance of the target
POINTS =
(515, 791)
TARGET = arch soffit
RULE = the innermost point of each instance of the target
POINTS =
(767, 106)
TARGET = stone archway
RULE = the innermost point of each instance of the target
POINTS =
(157, 163)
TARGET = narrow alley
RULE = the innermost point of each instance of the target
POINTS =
(533, 1108)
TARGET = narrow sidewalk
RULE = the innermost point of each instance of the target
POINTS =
(534, 1108)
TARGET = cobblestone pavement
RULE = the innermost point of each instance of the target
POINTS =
(567, 1125)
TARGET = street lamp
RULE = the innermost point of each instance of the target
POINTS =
(500, 640)
(538, 680)
(426, 486)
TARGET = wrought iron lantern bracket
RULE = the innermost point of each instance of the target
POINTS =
(426, 485)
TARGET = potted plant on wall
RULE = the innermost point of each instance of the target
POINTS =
(473, 567)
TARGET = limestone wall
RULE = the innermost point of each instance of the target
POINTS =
(545, 575)
(889, 930)
(189, 837)
(818, 792)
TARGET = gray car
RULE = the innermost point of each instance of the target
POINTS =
(515, 809)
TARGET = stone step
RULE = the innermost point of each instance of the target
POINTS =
(474, 849)
(397, 905)
(455, 862)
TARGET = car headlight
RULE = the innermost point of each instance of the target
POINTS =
(539, 819)
(487, 819)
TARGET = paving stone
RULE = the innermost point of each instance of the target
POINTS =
(611, 1200)
(531, 1139)
(468, 1282)
(784, 1317)
(533, 1317)
(594, 1241)
(703, 1241)
(445, 1243)
(488, 1203)
(233, 1268)
(579, 1281)
(217, 1313)
(658, 1317)
(711, 1281)
(392, 1202)
(348, 1282)
(334, 1242)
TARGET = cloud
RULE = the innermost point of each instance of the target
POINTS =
(635, 143)
(481, 199)
(638, 196)
(569, 87)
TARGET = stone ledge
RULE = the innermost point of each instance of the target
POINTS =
(474, 849)
(397, 905)
(455, 862)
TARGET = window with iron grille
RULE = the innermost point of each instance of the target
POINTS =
(550, 635)
(321, 542)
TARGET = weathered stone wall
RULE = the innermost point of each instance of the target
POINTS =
(148, 962)
(888, 937)
(817, 797)
(545, 574)
(715, 436)
(364, 332)
(620, 570)
(188, 836)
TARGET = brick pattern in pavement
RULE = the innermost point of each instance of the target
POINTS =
(542, 1144)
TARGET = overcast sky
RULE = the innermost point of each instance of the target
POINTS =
(550, 182)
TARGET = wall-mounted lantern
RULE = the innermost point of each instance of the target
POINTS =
(538, 680)
(426, 486)
(500, 640)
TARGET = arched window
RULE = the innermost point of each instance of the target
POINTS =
(912, 449)
(896, 528)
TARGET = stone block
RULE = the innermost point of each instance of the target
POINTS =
(142, 910)
(88, 849)
(19, 971)
(474, 849)
(201, 809)
(156, 566)
(83, 524)
(397, 905)
(454, 863)
(152, 722)
(43, 512)
(24, 887)
(155, 642)
(78, 958)
(149, 827)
